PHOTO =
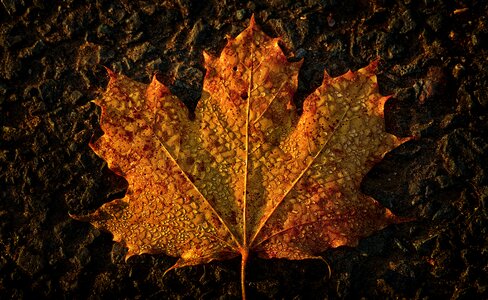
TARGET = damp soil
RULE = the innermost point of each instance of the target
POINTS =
(433, 60)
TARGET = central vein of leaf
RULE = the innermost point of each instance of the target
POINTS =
(248, 111)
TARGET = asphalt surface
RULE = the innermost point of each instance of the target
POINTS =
(433, 60)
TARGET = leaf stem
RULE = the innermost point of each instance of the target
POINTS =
(244, 254)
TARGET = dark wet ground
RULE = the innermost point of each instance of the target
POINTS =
(433, 60)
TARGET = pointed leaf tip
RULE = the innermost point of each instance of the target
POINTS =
(372, 68)
(110, 73)
(252, 21)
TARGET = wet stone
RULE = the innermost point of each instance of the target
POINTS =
(35, 49)
(482, 97)
(115, 12)
(458, 71)
(29, 262)
(48, 91)
(13, 7)
(75, 96)
(133, 23)
(436, 22)
(425, 245)
(241, 14)
(10, 66)
(88, 56)
(460, 158)
(72, 24)
(104, 31)
(149, 8)
(138, 52)
(155, 65)
(400, 282)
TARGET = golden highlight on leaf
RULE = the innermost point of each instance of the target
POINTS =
(248, 174)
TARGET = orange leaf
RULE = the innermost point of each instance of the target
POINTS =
(249, 173)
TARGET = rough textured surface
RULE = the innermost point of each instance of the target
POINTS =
(433, 60)
(247, 174)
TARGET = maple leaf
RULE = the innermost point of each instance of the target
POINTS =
(248, 173)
